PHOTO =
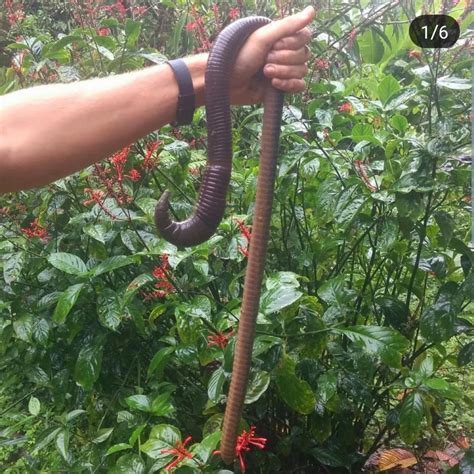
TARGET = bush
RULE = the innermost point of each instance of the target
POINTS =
(117, 346)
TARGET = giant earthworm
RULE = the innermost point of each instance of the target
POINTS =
(211, 203)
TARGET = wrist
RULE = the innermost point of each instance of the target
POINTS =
(197, 68)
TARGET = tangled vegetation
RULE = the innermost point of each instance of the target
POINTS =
(116, 347)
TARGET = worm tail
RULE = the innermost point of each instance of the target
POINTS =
(254, 273)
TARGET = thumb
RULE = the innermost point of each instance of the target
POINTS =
(288, 26)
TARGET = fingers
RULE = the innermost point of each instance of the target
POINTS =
(296, 41)
(286, 56)
(288, 26)
(282, 71)
(289, 85)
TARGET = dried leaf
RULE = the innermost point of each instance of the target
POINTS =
(390, 459)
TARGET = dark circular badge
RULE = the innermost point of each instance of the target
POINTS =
(434, 31)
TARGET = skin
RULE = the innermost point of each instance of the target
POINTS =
(48, 132)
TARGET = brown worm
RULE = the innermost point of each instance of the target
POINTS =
(211, 203)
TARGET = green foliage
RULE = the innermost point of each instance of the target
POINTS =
(117, 346)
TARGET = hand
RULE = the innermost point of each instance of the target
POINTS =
(280, 48)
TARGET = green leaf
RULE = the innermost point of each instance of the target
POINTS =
(136, 434)
(23, 327)
(158, 362)
(136, 284)
(296, 393)
(399, 122)
(438, 321)
(327, 387)
(88, 364)
(74, 414)
(68, 263)
(363, 132)
(454, 83)
(66, 302)
(161, 405)
(384, 342)
(411, 416)
(129, 464)
(257, 386)
(139, 402)
(334, 292)
(167, 433)
(161, 437)
(111, 264)
(46, 438)
(466, 354)
(282, 291)
(117, 447)
(13, 266)
(444, 388)
(102, 435)
(215, 385)
(109, 309)
(132, 31)
(370, 47)
(387, 89)
(205, 448)
(327, 457)
(34, 406)
(394, 310)
(40, 331)
(62, 444)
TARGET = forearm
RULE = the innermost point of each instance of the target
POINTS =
(48, 132)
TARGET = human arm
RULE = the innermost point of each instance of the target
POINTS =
(48, 132)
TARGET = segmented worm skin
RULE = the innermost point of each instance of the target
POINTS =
(211, 203)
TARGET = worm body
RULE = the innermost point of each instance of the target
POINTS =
(216, 177)
(211, 204)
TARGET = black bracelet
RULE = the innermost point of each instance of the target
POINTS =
(186, 97)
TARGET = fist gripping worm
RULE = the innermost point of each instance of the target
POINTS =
(211, 203)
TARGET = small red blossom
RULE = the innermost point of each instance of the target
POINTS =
(164, 286)
(190, 26)
(139, 11)
(245, 233)
(150, 161)
(35, 230)
(352, 36)
(362, 173)
(414, 54)
(133, 174)
(220, 339)
(321, 64)
(234, 12)
(345, 107)
(179, 451)
(103, 32)
(244, 443)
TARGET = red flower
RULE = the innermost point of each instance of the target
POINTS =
(164, 286)
(190, 26)
(361, 170)
(35, 230)
(244, 441)
(149, 161)
(352, 36)
(245, 233)
(414, 54)
(103, 32)
(321, 64)
(234, 12)
(345, 107)
(179, 451)
(220, 339)
(134, 174)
